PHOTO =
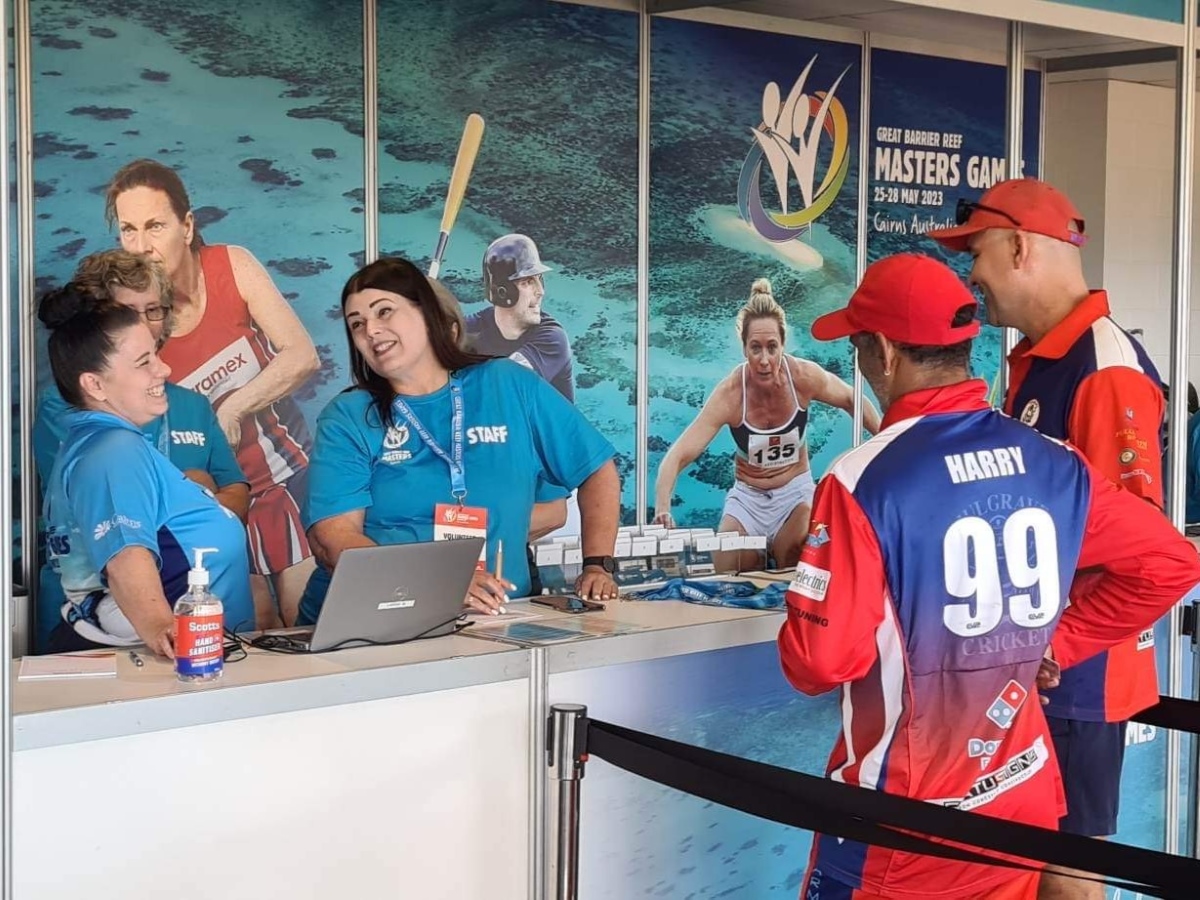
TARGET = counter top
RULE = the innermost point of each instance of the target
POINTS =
(150, 698)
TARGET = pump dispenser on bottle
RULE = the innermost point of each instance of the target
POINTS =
(199, 627)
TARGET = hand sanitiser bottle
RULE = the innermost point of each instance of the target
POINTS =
(199, 627)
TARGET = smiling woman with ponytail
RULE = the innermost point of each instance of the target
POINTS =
(124, 510)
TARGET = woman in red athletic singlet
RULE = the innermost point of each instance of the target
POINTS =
(239, 343)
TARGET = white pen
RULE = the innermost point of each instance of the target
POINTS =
(500, 567)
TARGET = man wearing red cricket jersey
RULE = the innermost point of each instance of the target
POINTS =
(934, 581)
(1075, 376)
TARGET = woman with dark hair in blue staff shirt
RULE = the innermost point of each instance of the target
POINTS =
(130, 515)
(430, 428)
(188, 434)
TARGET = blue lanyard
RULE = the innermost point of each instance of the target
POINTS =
(458, 477)
(164, 435)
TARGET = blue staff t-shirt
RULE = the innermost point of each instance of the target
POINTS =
(112, 490)
(517, 430)
(188, 434)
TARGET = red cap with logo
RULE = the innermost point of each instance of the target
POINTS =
(1020, 204)
(908, 298)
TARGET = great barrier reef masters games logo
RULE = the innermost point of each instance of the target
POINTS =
(788, 140)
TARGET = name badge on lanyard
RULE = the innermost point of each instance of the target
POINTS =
(451, 521)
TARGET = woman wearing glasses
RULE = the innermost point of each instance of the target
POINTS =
(238, 342)
(127, 522)
(764, 402)
(187, 434)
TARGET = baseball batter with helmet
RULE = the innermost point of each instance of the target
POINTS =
(514, 324)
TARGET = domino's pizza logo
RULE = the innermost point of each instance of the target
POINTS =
(1004, 708)
(978, 748)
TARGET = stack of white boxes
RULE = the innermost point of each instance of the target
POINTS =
(645, 553)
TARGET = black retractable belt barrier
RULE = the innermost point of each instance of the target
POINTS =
(873, 817)
(1172, 713)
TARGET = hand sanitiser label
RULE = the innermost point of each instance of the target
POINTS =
(199, 645)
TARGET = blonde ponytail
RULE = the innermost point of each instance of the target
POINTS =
(761, 305)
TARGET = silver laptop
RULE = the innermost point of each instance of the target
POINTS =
(392, 594)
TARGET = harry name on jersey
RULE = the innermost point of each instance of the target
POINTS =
(979, 465)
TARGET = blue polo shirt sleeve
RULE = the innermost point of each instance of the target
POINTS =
(568, 445)
(545, 492)
(49, 429)
(114, 496)
(339, 472)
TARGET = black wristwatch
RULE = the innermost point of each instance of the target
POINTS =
(607, 563)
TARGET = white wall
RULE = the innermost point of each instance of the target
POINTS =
(1111, 146)
(1139, 211)
(1076, 155)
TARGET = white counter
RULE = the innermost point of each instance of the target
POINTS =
(376, 772)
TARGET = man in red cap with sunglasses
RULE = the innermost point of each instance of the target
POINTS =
(934, 578)
(1075, 376)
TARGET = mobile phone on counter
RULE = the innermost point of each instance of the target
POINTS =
(568, 603)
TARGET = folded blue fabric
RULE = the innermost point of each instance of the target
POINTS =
(740, 594)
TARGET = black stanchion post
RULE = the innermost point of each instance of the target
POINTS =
(566, 740)
(1191, 630)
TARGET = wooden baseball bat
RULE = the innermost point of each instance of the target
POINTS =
(468, 148)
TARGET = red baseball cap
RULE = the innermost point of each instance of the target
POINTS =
(909, 298)
(1021, 204)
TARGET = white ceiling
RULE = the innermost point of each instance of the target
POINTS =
(905, 20)
(979, 32)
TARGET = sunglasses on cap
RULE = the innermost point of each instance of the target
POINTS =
(965, 207)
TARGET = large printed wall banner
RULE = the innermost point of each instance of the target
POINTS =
(754, 167)
(553, 195)
(14, 374)
(236, 136)
(937, 135)
(640, 839)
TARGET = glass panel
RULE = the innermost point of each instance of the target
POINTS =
(938, 136)
(735, 112)
(1110, 147)
(259, 109)
(556, 85)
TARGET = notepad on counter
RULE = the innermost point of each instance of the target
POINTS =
(563, 629)
(67, 665)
